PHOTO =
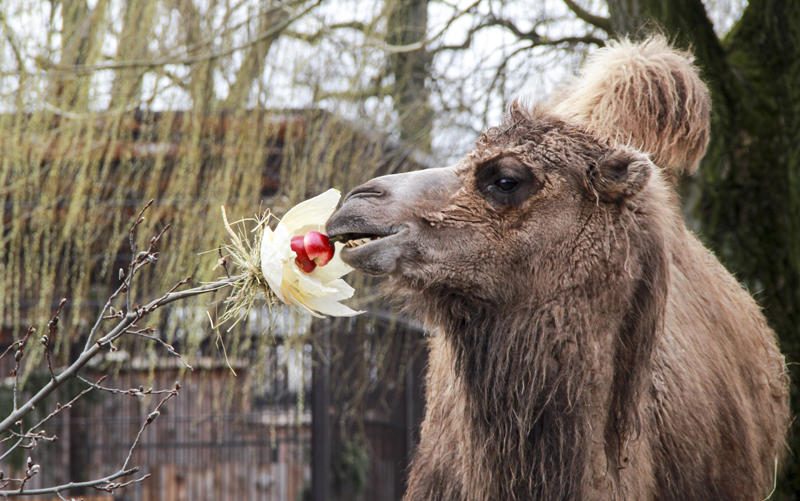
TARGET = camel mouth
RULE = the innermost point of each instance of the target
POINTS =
(374, 251)
(355, 240)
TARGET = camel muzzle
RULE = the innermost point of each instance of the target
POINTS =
(379, 218)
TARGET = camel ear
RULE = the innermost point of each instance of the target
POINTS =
(619, 175)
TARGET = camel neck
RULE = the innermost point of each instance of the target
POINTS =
(532, 383)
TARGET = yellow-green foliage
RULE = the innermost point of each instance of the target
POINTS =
(74, 184)
(102, 110)
(79, 159)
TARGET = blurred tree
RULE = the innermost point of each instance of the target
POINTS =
(195, 26)
(409, 61)
(80, 44)
(270, 20)
(137, 29)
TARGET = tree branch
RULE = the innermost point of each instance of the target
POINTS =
(97, 483)
(532, 36)
(604, 23)
(47, 418)
(81, 69)
(315, 37)
(120, 329)
(17, 435)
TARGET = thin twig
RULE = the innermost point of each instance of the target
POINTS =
(150, 418)
(102, 316)
(134, 392)
(17, 358)
(12, 346)
(133, 266)
(31, 470)
(49, 339)
(72, 485)
(112, 486)
(52, 414)
(125, 323)
(147, 334)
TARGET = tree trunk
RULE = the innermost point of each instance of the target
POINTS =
(749, 182)
(201, 73)
(254, 59)
(79, 46)
(137, 27)
(407, 24)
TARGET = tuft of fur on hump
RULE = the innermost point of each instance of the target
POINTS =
(648, 95)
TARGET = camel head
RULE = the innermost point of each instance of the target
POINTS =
(546, 241)
(534, 195)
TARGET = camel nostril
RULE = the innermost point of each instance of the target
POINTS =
(367, 190)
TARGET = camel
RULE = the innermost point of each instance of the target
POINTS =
(583, 343)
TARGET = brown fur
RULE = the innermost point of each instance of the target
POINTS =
(585, 344)
(628, 364)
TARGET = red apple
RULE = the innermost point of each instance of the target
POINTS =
(305, 264)
(302, 261)
(298, 247)
(318, 247)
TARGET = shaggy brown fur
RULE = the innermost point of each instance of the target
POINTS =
(585, 345)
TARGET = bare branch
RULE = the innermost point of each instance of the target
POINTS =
(538, 39)
(81, 69)
(379, 42)
(121, 328)
(150, 418)
(17, 359)
(319, 34)
(49, 338)
(584, 15)
(532, 36)
(147, 333)
(127, 321)
(134, 392)
(47, 418)
(97, 483)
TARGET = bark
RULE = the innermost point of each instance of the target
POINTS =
(407, 24)
(201, 75)
(254, 59)
(137, 28)
(80, 44)
(749, 182)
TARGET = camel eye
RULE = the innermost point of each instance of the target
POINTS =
(506, 184)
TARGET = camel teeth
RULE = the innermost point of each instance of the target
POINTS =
(358, 242)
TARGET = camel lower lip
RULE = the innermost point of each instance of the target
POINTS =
(376, 257)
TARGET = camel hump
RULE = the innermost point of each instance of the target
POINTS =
(645, 94)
